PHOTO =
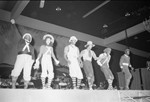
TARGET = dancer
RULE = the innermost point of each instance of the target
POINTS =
(46, 54)
(87, 55)
(24, 60)
(103, 62)
(124, 65)
(71, 55)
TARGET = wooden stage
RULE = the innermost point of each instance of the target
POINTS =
(47, 95)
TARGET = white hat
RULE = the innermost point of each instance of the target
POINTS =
(73, 38)
(89, 43)
(27, 34)
(48, 36)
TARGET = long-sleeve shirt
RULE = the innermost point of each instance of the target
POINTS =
(20, 47)
(88, 54)
(104, 59)
(124, 60)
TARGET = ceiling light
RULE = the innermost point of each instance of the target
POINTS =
(105, 26)
(42, 2)
(127, 14)
(12, 21)
(135, 37)
(58, 9)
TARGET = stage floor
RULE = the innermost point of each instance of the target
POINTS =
(46, 95)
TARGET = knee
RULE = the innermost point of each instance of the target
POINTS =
(129, 77)
(27, 79)
(111, 77)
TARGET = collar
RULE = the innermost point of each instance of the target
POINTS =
(126, 55)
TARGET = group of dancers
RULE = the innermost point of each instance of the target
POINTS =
(75, 61)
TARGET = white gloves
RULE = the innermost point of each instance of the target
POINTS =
(37, 64)
(99, 63)
(57, 62)
(121, 67)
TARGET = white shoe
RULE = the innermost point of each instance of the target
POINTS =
(75, 88)
(43, 87)
(110, 88)
(126, 88)
(50, 88)
(90, 88)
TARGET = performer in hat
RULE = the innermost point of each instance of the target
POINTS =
(103, 62)
(71, 55)
(24, 60)
(46, 54)
(87, 55)
(124, 65)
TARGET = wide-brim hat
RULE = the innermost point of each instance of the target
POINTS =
(73, 38)
(89, 43)
(107, 49)
(27, 34)
(48, 36)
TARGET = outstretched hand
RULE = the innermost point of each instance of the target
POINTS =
(132, 68)
(36, 65)
(57, 62)
(81, 64)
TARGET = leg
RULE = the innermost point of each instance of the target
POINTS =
(19, 64)
(91, 81)
(50, 73)
(35, 74)
(49, 83)
(26, 83)
(43, 82)
(78, 83)
(110, 80)
(14, 80)
(74, 82)
(110, 87)
(27, 71)
(128, 77)
(109, 76)
(44, 72)
(88, 68)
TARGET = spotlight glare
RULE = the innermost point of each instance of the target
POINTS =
(42, 3)
(12, 21)
(58, 9)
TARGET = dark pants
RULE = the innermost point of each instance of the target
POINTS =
(107, 72)
(128, 75)
(88, 69)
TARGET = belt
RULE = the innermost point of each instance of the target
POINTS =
(126, 64)
(87, 60)
(23, 52)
